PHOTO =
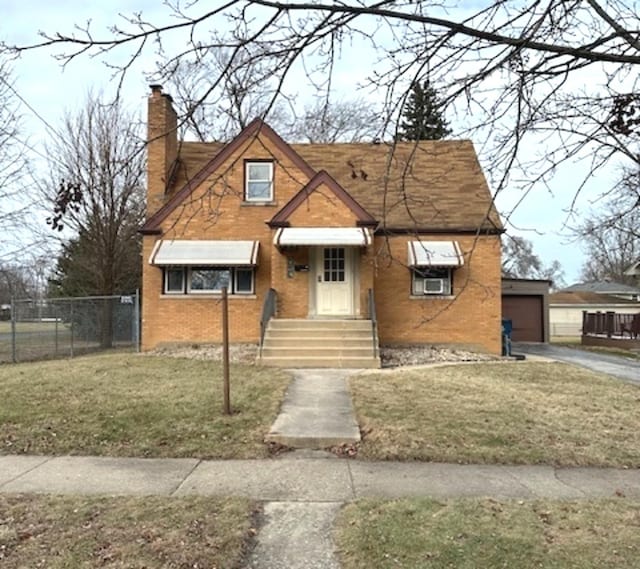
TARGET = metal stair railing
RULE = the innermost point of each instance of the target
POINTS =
(268, 311)
(374, 323)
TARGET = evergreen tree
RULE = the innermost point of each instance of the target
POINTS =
(80, 270)
(422, 117)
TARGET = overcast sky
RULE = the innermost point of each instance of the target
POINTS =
(50, 90)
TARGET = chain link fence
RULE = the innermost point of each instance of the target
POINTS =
(66, 327)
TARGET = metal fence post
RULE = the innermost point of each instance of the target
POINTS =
(609, 323)
(14, 359)
(55, 316)
(136, 320)
(71, 324)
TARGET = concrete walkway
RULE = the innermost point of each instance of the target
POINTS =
(296, 535)
(317, 411)
(299, 478)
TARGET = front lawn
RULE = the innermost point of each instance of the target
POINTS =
(136, 405)
(609, 351)
(488, 534)
(508, 413)
(56, 532)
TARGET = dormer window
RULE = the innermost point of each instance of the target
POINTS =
(258, 181)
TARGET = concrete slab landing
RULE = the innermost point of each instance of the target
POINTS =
(317, 411)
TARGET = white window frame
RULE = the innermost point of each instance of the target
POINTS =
(418, 279)
(236, 270)
(249, 180)
(166, 280)
(191, 290)
(186, 280)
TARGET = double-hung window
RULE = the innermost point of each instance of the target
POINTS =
(243, 281)
(174, 280)
(432, 265)
(258, 181)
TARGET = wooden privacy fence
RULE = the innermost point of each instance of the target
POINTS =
(610, 324)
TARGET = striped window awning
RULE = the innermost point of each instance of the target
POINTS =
(322, 236)
(435, 254)
(205, 253)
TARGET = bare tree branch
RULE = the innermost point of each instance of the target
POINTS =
(534, 84)
(95, 190)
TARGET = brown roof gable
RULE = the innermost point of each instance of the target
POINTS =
(255, 128)
(425, 186)
(322, 178)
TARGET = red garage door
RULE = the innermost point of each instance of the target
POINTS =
(526, 314)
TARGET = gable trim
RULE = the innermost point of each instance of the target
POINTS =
(255, 127)
(364, 218)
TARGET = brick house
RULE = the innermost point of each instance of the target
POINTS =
(344, 245)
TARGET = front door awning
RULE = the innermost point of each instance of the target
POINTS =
(322, 236)
(435, 254)
(205, 253)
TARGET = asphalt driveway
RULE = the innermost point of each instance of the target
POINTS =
(617, 366)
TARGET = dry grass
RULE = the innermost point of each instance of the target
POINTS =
(29, 327)
(487, 534)
(567, 340)
(606, 350)
(118, 533)
(515, 413)
(132, 405)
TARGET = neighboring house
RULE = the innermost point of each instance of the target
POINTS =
(337, 232)
(566, 308)
(634, 270)
(606, 287)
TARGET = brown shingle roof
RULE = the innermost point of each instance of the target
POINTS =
(586, 297)
(193, 156)
(423, 186)
(430, 185)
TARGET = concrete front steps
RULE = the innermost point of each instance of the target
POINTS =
(319, 343)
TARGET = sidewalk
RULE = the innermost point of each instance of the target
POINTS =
(306, 477)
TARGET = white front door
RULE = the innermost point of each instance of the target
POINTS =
(334, 278)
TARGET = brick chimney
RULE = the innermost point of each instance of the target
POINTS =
(162, 147)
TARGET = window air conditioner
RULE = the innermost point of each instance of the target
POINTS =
(434, 286)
